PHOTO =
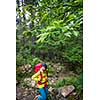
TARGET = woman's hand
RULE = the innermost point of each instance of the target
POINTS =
(41, 70)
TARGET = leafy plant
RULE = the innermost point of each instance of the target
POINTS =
(66, 81)
(35, 61)
(71, 80)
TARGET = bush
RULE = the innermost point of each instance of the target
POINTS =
(71, 80)
(66, 81)
(63, 69)
(74, 54)
(35, 61)
(79, 82)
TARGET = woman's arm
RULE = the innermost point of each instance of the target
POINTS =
(36, 77)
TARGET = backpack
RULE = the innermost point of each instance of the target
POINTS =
(37, 67)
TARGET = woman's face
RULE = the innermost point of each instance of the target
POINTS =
(43, 68)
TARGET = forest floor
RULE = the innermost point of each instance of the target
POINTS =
(27, 89)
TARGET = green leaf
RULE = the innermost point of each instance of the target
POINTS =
(68, 34)
(76, 33)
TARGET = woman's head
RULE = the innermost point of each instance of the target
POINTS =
(44, 66)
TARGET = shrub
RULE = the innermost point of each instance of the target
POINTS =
(66, 81)
(71, 80)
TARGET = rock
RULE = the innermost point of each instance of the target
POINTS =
(73, 94)
(52, 80)
(17, 82)
(29, 97)
(66, 90)
(33, 83)
(26, 79)
(19, 93)
(24, 94)
(59, 68)
(30, 71)
(26, 68)
(58, 96)
(19, 96)
(51, 90)
(30, 66)
(30, 82)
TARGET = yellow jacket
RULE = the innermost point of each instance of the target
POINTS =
(41, 81)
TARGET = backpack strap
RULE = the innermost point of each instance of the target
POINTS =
(47, 72)
(41, 76)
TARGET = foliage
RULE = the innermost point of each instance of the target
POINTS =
(71, 80)
(63, 69)
(50, 30)
(79, 82)
(19, 75)
(66, 81)
(24, 84)
(35, 61)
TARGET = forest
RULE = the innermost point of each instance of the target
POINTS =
(49, 31)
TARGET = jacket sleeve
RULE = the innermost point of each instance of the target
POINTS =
(36, 77)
